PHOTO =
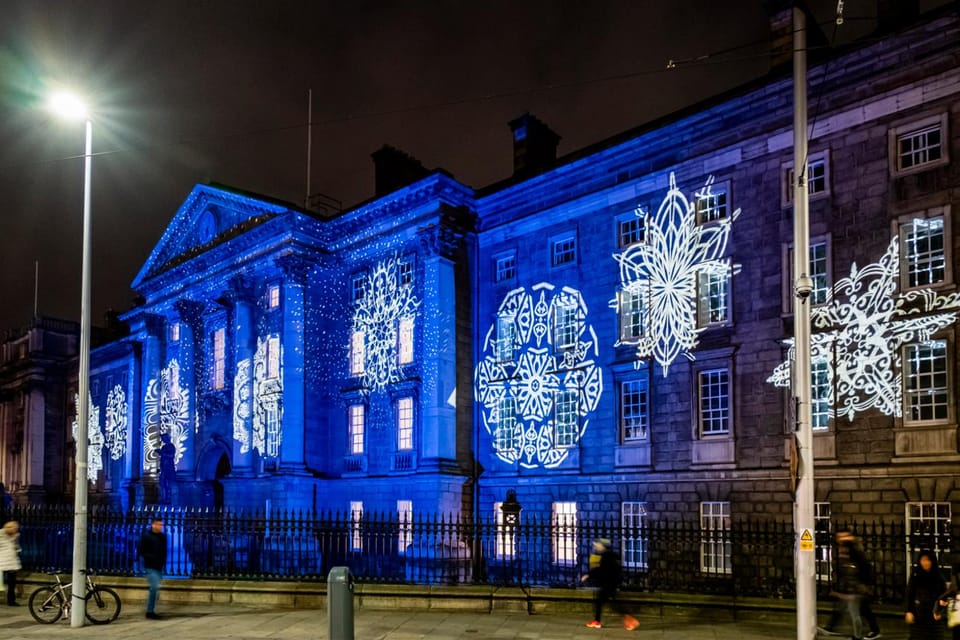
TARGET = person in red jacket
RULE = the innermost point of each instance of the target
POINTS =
(604, 574)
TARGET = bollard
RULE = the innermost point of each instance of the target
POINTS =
(340, 604)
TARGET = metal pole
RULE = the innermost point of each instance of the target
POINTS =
(79, 604)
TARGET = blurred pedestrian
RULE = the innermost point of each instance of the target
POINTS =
(856, 576)
(153, 550)
(925, 588)
(949, 601)
(604, 574)
(10, 559)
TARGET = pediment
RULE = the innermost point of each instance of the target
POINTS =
(208, 217)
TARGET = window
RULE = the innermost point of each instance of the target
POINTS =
(506, 344)
(713, 304)
(219, 358)
(819, 274)
(925, 378)
(715, 546)
(505, 543)
(634, 543)
(922, 250)
(563, 251)
(358, 285)
(405, 340)
(818, 178)
(565, 327)
(711, 205)
(928, 528)
(505, 436)
(633, 410)
(174, 332)
(405, 272)
(356, 520)
(404, 525)
(565, 419)
(633, 313)
(820, 395)
(505, 268)
(920, 146)
(273, 357)
(824, 534)
(357, 353)
(631, 229)
(273, 296)
(356, 428)
(564, 520)
(405, 424)
(714, 402)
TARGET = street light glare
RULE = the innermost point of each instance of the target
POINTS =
(68, 105)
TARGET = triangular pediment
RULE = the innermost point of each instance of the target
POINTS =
(208, 217)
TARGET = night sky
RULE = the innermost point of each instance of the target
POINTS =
(198, 91)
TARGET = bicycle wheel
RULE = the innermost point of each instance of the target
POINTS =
(103, 605)
(46, 605)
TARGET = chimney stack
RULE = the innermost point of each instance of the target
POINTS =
(394, 169)
(534, 145)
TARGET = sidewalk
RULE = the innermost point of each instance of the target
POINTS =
(203, 622)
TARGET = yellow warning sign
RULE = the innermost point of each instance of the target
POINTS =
(806, 540)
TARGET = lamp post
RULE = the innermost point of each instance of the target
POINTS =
(71, 107)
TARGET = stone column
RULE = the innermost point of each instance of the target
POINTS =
(240, 300)
(191, 367)
(292, 445)
(147, 329)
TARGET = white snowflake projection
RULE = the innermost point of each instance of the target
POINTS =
(860, 331)
(664, 269)
(166, 410)
(267, 397)
(94, 437)
(540, 362)
(385, 302)
(115, 423)
(241, 405)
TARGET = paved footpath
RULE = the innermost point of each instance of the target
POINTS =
(237, 622)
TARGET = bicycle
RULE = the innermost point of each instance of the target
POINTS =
(48, 604)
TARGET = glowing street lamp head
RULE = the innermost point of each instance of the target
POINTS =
(68, 105)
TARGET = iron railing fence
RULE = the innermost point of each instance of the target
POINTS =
(749, 558)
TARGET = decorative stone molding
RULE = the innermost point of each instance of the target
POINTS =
(295, 267)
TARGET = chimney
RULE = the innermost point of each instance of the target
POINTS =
(534, 145)
(394, 169)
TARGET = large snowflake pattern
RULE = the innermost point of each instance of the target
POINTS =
(115, 423)
(94, 437)
(166, 410)
(267, 397)
(860, 331)
(664, 269)
(241, 405)
(535, 371)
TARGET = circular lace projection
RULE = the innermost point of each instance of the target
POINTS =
(166, 410)
(538, 380)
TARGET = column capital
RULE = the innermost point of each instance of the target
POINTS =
(294, 266)
(440, 240)
(190, 311)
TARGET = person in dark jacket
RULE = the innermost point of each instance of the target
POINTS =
(923, 592)
(855, 581)
(604, 574)
(153, 550)
(950, 598)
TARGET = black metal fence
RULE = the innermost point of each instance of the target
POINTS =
(750, 558)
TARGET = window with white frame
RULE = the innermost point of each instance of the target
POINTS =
(818, 178)
(357, 353)
(506, 344)
(505, 543)
(358, 285)
(634, 410)
(564, 521)
(633, 313)
(505, 436)
(926, 381)
(920, 145)
(173, 333)
(565, 423)
(565, 327)
(356, 521)
(273, 296)
(505, 268)
(405, 424)
(819, 274)
(356, 427)
(405, 340)
(715, 546)
(820, 395)
(713, 298)
(405, 272)
(219, 358)
(928, 528)
(633, 517)
(711, 204)
(714, 394)
(923, 257)
(631, 229)
(563, 250)
(273, 357)
(821, 524)
(404, 525)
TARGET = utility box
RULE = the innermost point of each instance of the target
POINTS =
(340, 604)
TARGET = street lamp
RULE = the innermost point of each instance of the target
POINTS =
(70, 106)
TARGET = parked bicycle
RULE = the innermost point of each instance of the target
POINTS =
(48, 604)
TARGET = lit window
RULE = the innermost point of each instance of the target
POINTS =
(928, 529)
(505, 436)
(506, 344)
(565, 327)
(715, 546)
(357, 353)
(633, 410)
(634, 543)
(219, 358)
(711, 205)
(565, 419)
(564, 251)
(818, 173)
(505, 268)
(920, 147)
(713, 304)
(358, 286)
(406, 272)
(927, 394)
(714, 402)
(356, 428)
(273, 296)
(819, 274)
(564, 521)
(405, 424)
(356, 521)
(273, 357)
(821, 394)
(405, 340)
(174, 333)
(922, 248)
(633, 313)
(505, 545)
(404, 525)
(631, 229)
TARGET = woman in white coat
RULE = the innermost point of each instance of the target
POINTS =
(10, 559)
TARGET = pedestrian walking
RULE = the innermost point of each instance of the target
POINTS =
(153, 550)
(924, 590)
(604, 574)
(948, 604)
(849, 547)
(10, 559)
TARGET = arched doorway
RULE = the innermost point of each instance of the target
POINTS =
(213, 465)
